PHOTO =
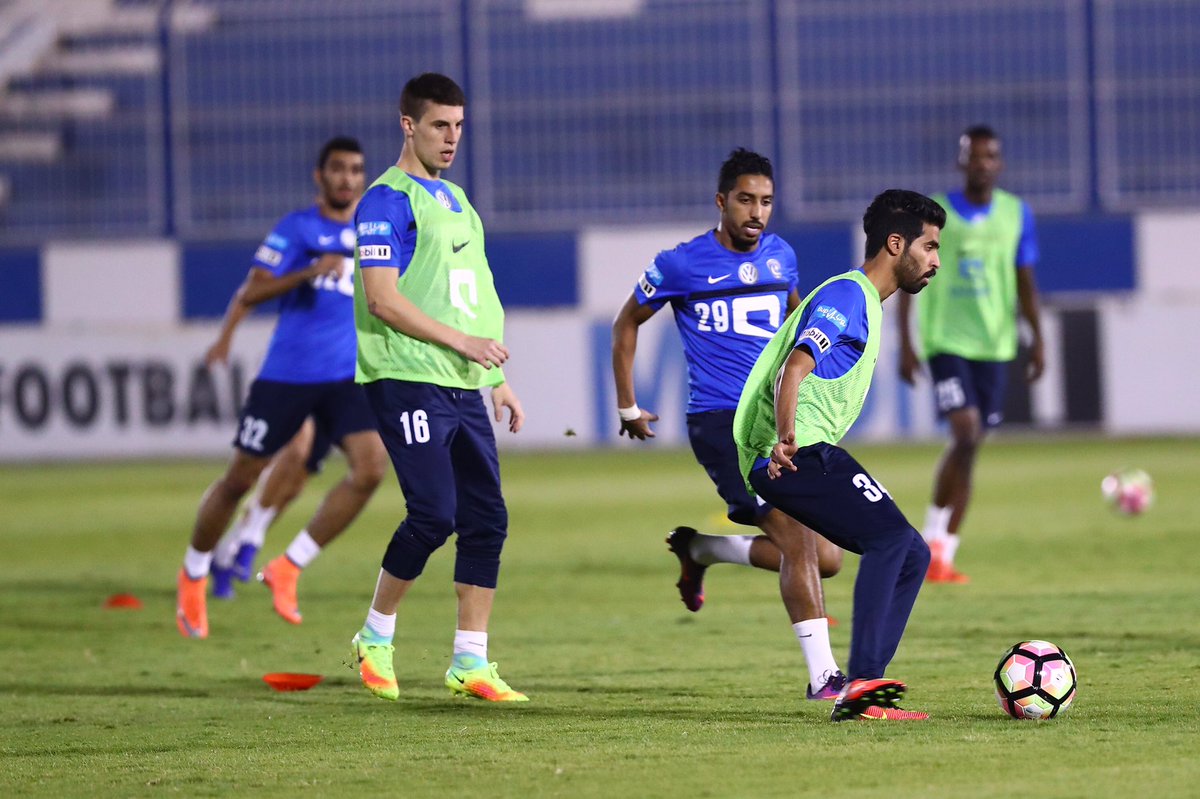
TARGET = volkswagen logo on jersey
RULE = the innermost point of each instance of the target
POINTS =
(348, 240)
(748, 273)
(443, 198)
(775, 267)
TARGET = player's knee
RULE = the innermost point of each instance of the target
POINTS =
(829, 559)
(367, 475)
(919, 552)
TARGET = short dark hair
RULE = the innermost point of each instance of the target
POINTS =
(899, 211)
(742, 162)
(431, 87)
(979, 132)
(343, 144)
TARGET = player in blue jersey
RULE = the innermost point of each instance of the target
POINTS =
(730, 289)
(279, 484)
(308, 372)
(968, 329)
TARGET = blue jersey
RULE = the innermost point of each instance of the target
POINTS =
(727, 306)
(385, 220)
(314, 339)
(835, 328)
(1028, 252)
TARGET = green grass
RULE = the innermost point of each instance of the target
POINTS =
(632, 696)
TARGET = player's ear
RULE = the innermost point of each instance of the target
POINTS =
(895, 244)
(406, 125)
(720, 200)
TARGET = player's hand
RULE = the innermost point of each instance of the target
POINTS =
(484, 351)
(217, 353)
(1037, 361)
(504, 397)
(781, 456)
(639, 428)
(910, 365)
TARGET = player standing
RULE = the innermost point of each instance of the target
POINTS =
(805, 391)
(968, 329)
(308, 371)
(430, 330)
(729, 290)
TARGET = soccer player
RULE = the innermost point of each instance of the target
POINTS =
(730, 289)
(430, 330)
(279, 484)
(805, 391)
(308, 371)
(968, 329)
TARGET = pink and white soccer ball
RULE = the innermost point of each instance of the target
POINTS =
(1035, 680)
(1129, 491)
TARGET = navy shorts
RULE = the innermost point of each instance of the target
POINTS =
(321, 444)
(274, 412)
(834, 495)
(711, 434)
(961, 383)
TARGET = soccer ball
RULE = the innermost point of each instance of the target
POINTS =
(1035, 680)
(1129, 491)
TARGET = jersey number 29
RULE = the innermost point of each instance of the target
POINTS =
(716, 316)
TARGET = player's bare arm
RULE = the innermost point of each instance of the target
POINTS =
(910, 364)
(234, 314)
(1027, 298)
(624, 348)
(503, 397)
(261, 285)
(797, 367)
(386, 303)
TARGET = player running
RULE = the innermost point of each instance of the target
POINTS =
(805, 391)
(280, 483)
(308, 371)
(729, 290)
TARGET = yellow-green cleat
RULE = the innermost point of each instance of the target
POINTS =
(474, 676)
(375, 667)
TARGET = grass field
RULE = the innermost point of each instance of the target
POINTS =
(631, 695)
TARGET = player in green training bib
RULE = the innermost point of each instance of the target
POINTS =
(430, 333)
(805, 391)
(967, 322)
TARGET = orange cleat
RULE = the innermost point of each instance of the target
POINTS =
(191, 606)
(951, 575)
(280, 575)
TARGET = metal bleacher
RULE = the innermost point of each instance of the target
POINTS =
(201, 119)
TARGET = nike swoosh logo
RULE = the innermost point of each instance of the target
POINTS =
(452, 674)
(805, 636)
(457, 247)
(323, 240)
(712, 279)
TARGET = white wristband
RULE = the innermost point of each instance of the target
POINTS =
(630, 414)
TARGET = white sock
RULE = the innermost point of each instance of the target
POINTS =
(196, 563)
(303, 549)
(949, 547)
(813, 635)
(251, 528)
(226, 551)
(382, 625)
(936, 521)
(470, 642)
(710, 549)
